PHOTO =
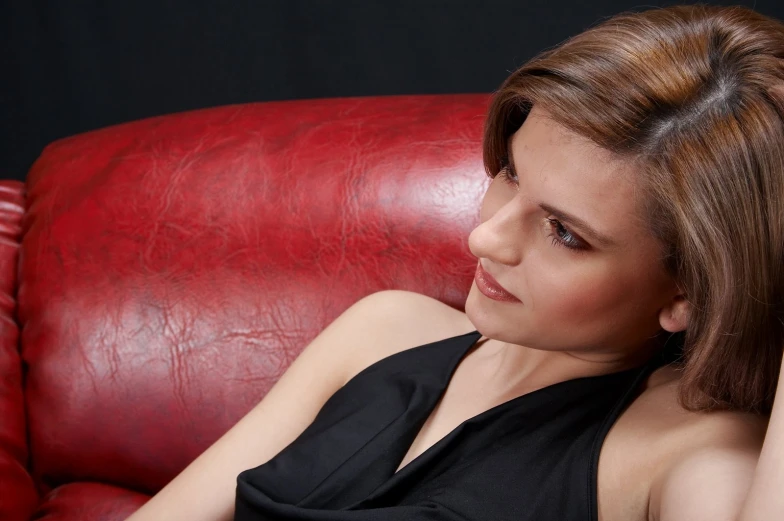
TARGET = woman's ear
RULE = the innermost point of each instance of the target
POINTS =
(675, 316)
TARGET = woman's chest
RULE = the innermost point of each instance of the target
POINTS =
(460, 403)
(628, 459)
(531, 455)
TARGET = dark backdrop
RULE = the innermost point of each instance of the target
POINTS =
(71, 66)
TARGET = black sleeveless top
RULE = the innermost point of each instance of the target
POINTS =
(532, 458)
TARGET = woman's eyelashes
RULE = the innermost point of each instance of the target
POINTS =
(563, 237)
(560, 234)
(508, 177)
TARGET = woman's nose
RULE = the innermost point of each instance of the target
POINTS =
(500, 236)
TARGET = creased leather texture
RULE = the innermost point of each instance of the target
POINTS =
(90, 501)
(172, 268)
(18, 496)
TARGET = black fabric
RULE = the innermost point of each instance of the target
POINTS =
(531, 458)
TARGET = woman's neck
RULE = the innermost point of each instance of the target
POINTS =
(518, 368)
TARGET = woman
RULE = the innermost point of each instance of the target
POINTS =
(622, 341)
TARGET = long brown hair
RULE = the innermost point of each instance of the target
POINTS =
(689, 94)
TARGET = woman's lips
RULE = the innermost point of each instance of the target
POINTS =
(490, 288)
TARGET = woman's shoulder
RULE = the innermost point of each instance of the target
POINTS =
(659, 402)
(657, 443)
(707, 458)
(679, 432)
(395, 320)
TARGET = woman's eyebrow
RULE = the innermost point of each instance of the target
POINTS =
(577, 223)
(587, 229)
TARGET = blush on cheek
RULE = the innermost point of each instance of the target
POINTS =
(577, 297)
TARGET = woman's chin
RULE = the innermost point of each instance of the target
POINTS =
(479, 310)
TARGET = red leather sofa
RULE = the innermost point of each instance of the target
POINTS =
(159, 276)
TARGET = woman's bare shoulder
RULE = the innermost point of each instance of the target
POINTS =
(395, 320)
(676, 430)
(660, 400)
(702, 457)
(656, 436)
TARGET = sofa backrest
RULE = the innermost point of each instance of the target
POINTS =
(172, 268)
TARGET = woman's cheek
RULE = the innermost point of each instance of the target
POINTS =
(573, 290)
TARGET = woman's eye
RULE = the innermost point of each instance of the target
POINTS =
(507, 176)
(563, 237)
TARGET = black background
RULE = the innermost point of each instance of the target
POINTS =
(70, 66)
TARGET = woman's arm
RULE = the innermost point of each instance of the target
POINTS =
(377, 325)
(765, 500)
(739, 478)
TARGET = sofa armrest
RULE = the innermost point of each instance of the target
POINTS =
(18, 495)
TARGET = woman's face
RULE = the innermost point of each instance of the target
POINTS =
(564, 234)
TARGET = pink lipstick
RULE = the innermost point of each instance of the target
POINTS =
(490, 288)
